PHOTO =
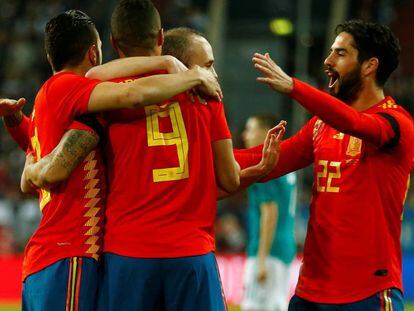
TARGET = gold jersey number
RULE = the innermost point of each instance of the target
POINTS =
(178, 138)
(45, 195)
(330, 170)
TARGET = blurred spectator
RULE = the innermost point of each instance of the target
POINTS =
(230, 236)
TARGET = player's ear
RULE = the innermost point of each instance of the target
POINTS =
(93, 55)
(369, 66)
(160, 37)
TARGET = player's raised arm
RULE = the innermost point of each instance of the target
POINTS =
(151, 90)
(134, 66)
(375, 128)
(57, 166)
(17, 124)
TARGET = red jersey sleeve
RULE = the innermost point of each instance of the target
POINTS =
(77, 90)
(91, 122)
(370, 127)
(76, 125)
(248, 157)
(20, 133)
(296, 152)
(219, 128)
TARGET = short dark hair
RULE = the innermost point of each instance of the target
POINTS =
(67, 38)
(177, 43)
(266, 120)
(135, 24)
(374, 40)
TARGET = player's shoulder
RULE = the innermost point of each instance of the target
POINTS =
(198, 101)
(65, 80)
(393, 112)
(389, 106)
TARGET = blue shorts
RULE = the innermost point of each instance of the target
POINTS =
(386, 300)
(68, 284)
(170, 284)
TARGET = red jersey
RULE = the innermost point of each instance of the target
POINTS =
(20, 133)
(352, 248)
(71, 223)
(162, 199)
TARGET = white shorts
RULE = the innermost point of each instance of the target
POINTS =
(271, 295)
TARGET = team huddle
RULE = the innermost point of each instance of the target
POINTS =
(129, 158)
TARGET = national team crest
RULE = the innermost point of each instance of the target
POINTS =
(354, 146)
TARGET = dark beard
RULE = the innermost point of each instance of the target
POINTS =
(350, 85)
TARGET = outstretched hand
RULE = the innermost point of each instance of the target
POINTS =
(274, 76)
(9, 107)
(271, 147)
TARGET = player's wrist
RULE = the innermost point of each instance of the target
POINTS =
(290, 85)
(264, 168)
(197, 75)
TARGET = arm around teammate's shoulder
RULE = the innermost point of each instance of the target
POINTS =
(134, 66)
(151, 90)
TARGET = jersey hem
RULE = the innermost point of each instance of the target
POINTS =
(353, 297)
(160, 255)
(49, 263)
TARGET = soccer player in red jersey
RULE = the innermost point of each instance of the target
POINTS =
(159, 234)
(61, 254)
(361, 144)
(160, 212)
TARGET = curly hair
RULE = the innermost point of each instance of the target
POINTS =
(374, 40)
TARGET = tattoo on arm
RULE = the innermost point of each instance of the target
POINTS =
(57, 166)
(74, 146)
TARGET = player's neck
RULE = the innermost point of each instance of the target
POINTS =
(139, 52)
(368, 97)
(79, 70)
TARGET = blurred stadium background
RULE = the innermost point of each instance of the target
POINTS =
(297, 33)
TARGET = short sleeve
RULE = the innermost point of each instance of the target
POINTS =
(91, 122)
(76, 125)
(77, 90)
(219, 128)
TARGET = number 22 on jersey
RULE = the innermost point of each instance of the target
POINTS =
(177, 137)
(330, 170)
